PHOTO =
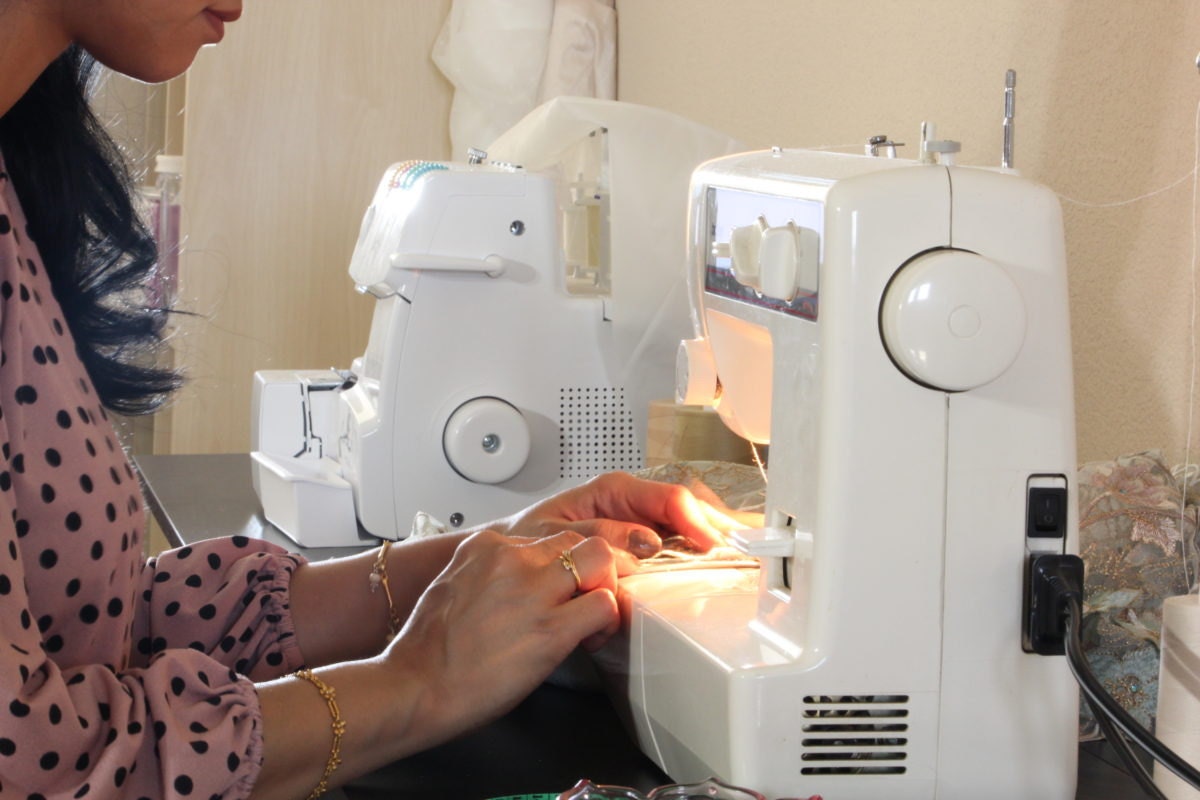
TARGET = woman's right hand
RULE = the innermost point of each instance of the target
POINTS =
(498, 620)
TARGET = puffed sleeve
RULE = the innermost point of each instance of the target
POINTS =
(227, 598)
(181, 721)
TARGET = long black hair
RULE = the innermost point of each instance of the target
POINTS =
(76, 190)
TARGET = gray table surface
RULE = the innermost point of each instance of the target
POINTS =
(196, 497)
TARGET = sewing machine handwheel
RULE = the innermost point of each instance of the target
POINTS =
(486, 440)
(952, 320)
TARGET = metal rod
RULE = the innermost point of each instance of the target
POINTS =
(1010, 108)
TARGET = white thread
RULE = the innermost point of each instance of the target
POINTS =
(762, 470)
(1191, 404)
(1186, 469)
(1139, 198)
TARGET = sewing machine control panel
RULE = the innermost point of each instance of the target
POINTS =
(765, 250)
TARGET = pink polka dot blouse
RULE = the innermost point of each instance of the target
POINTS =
(119, 677)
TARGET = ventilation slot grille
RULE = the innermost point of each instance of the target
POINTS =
(596, 432)
(855, 735)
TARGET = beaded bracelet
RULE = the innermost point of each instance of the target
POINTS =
(379, 577)
(338, 725)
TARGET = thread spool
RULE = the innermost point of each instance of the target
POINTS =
(1178, 718)
(676, 432)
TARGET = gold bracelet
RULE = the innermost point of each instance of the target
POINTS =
(379, 577)
(338, 725)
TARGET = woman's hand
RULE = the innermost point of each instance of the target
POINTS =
(497, 621)
(629, 513)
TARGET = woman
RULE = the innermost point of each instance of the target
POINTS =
(227, 669)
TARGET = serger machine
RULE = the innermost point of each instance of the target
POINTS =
(527, 309)
(897, 330)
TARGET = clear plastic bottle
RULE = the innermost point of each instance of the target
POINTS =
(165, 218)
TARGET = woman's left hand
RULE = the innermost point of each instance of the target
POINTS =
(631, 514)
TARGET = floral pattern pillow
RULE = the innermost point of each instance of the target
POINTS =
(1137, 538)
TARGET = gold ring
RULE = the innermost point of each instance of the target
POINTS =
(568, 563)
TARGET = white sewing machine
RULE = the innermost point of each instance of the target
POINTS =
(525, 318)
(897, 330)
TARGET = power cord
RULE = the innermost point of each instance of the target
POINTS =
(1063, 577)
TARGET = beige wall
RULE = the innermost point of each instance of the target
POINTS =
(1107, 95)
(289, 125)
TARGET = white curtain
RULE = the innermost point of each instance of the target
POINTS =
(505, 57)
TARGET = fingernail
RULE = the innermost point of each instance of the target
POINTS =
(644, 543)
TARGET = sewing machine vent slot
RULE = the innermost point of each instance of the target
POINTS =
(596, 432)
(855, 735)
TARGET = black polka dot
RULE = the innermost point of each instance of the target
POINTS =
(85, 483)
(26, 395)
(18, 709)
(208, 611)
(233, 762)
(49, 760)
(63, 419)
(97, 550)
(53, 457)
(73, 521)
(82, 762)
(48, 558)
(183, 785)
(7, 747)
(200, 746)
(89, 613)
(177, 686)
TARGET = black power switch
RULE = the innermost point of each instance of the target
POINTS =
(1047, 517)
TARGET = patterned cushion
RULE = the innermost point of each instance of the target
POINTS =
(1137, 538)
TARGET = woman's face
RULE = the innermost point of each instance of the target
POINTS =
(150, 40)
